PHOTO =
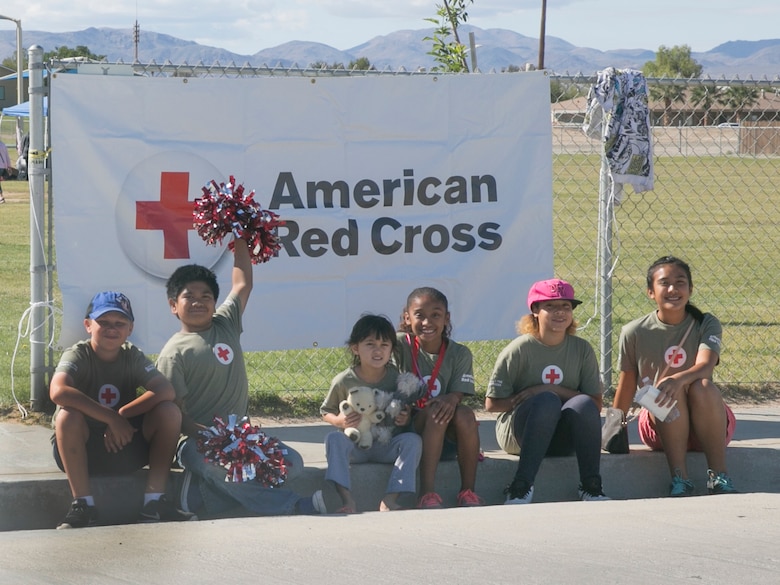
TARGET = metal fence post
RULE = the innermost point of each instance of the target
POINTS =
(36, 162)
(605, 273)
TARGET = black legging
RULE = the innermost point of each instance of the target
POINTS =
(543, 427)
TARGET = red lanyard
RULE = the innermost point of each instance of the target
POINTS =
(415, 346)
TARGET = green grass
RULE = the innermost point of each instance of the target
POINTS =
(718, 213)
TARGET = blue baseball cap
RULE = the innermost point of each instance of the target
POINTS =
(105, 302)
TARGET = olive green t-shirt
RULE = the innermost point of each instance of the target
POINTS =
(527, 362)
(207, 368)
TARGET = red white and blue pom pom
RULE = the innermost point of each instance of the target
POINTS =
(224, 209)
(244, 451)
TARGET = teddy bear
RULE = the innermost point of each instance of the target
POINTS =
(409, 389)
(363, 400)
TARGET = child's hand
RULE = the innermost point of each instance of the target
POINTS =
(402, 419)
(443, 408)
(350, 420)
(119, 433)
(670, 390)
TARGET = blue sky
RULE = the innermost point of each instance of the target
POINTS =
(248, 26)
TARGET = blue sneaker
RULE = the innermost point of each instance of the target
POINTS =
(719, 483)
(680, 487)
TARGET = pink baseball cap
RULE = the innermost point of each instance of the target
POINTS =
(554, 289)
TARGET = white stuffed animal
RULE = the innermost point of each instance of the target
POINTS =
(362, 400)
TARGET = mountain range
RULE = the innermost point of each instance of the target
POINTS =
(497, 49)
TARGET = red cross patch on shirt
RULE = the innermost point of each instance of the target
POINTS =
(552, 375)
(436, 386)
(679, 359)
(108, 395)
(224, 353)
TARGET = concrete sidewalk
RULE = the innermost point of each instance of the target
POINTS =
(34, 493)
(705, 540)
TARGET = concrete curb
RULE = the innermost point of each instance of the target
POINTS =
(35, 495)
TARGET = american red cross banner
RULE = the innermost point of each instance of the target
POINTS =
(385, 183)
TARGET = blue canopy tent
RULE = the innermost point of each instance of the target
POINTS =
(23, 110)
(22, 140)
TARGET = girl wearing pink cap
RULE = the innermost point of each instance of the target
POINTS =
(547, 391)
(677, 347)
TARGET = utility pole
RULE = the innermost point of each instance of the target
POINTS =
(542, 35)
(136, 38)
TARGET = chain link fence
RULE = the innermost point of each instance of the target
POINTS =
(715, 204)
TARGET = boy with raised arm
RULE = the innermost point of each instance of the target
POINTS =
(205, 363)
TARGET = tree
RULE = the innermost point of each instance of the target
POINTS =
(10, 62)
(361, 64)
(451, 55)
(66, 53)
(325, 65)
(738, 98)
(674, 63)
(561, 93)
(704, 97)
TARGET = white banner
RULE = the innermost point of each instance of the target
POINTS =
(387, 183)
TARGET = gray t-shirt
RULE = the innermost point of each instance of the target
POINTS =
(207, 367)
(344, 381)
(456, 373)
(527, 362)
(647, 344)
(112, 384)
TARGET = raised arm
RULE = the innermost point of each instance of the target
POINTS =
(242, 272)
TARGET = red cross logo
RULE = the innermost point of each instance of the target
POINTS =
(436, 386)
(224, 353)
(552, 375)
(675, 360)
(172, 214)
(108, 395)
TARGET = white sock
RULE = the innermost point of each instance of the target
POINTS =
(89, 499)
(150, 497)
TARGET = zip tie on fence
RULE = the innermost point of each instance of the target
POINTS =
(25, 319)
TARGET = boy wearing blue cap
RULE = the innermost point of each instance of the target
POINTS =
(101, 425)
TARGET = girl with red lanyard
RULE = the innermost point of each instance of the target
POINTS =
(448, 428)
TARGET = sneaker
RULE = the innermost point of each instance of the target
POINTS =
(680, 487)
(319, 502)
(719, 483)
(79, 515)
(190, 498)
(164, 510)
(519, 492)
(311, 506)
(590, 490)
(430, 501)
(468, 499)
